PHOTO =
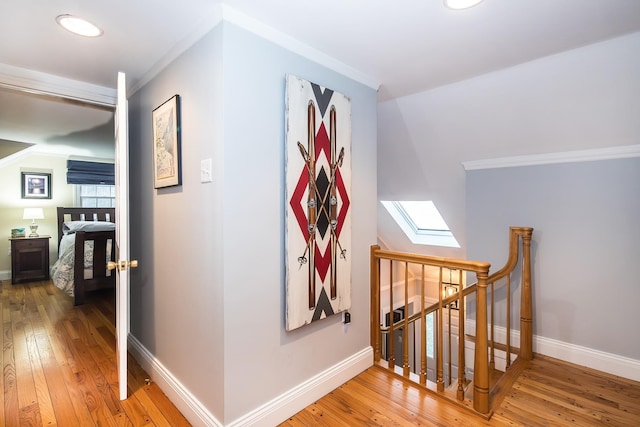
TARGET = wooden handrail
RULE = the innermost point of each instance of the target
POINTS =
(484, 344)
(452, 263)
(512, 260)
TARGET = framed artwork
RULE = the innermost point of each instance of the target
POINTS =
(36, 185)
(318, 192)
(166, 144)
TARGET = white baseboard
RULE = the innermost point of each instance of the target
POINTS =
(271, 413)
(193, 410)
(5, 275)
(304, 394)
(606, 362)
(595, 359)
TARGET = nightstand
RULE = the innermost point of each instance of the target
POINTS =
(29, 259)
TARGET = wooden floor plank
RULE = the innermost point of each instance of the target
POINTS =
(43, 396)
(11, 406)
(24, 374)
(547, 393)
(58, 368)
(58, 364)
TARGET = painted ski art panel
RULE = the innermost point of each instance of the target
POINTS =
(318, 191)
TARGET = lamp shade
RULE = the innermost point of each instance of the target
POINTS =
(33, 213)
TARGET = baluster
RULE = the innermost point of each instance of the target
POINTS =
(390, 334)
(449, 357)
(423, 334)
(526, 330)
(492, 362)
(405, 332)
(508, 321)
(439, 340)
(461, 341)
(375, 304)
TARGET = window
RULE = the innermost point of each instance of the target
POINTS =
(430, 336)
(95, 196)
(421, 222)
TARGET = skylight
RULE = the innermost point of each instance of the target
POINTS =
(421, 222)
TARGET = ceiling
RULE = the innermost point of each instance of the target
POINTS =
(404, 47)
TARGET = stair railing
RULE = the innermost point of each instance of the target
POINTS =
(415, 274)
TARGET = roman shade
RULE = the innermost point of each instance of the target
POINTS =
(79, 172)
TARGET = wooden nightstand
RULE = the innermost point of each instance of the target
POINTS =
(29, 259)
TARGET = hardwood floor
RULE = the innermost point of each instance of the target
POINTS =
(549, 392)
(59, 364)
(59, 369)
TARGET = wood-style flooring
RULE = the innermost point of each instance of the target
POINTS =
(59, 369)
(549, 392)
(59, 364)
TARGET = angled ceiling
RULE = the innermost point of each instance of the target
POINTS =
(405, 47)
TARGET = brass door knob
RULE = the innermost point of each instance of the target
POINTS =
(122, 265)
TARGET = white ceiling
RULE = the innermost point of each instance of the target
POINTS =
(405, 46)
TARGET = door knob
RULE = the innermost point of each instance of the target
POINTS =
(122, 265)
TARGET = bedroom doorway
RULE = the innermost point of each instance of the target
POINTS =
(39, 86)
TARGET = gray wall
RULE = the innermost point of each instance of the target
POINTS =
(581, 99)
(261, 359)
(585, 244)
(177, 293)
(208, 298)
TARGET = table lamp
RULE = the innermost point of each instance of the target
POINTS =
(33, 214)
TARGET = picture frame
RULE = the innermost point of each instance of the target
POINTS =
(35, 185)
(167, 167)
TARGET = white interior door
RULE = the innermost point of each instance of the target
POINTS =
(122, 233)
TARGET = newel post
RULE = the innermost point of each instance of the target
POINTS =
(481, 362)
(526, 316)
(374, 277)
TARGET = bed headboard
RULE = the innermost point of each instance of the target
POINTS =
(84, 214)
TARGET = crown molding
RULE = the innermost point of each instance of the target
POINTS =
(36, 82)
(608, 153)
(207, 23)
(281, 39)
(223, 12)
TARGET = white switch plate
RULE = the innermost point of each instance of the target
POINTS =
(206, 170)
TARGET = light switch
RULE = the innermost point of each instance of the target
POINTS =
(206, 170)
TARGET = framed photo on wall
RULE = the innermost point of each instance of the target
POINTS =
(167, 144)
(36, 185)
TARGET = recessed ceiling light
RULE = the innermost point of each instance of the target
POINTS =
(78, 26)
(460, 4)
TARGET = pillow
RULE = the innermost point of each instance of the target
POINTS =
(71, 227)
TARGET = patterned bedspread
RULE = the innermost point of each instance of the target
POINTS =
(62, 271)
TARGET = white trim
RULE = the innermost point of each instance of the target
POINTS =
(48, 84)
(206, 24)
(275, 36)
(304, 394)
(443, 238)
(224, 12)
(187, 403)
(608, 153)
(595, 359)
(271, 413)
(5, 274)
(606, 362)
(35, 150)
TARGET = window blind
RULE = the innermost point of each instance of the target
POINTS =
(79, 172)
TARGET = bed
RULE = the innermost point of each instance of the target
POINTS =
(88, 231)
